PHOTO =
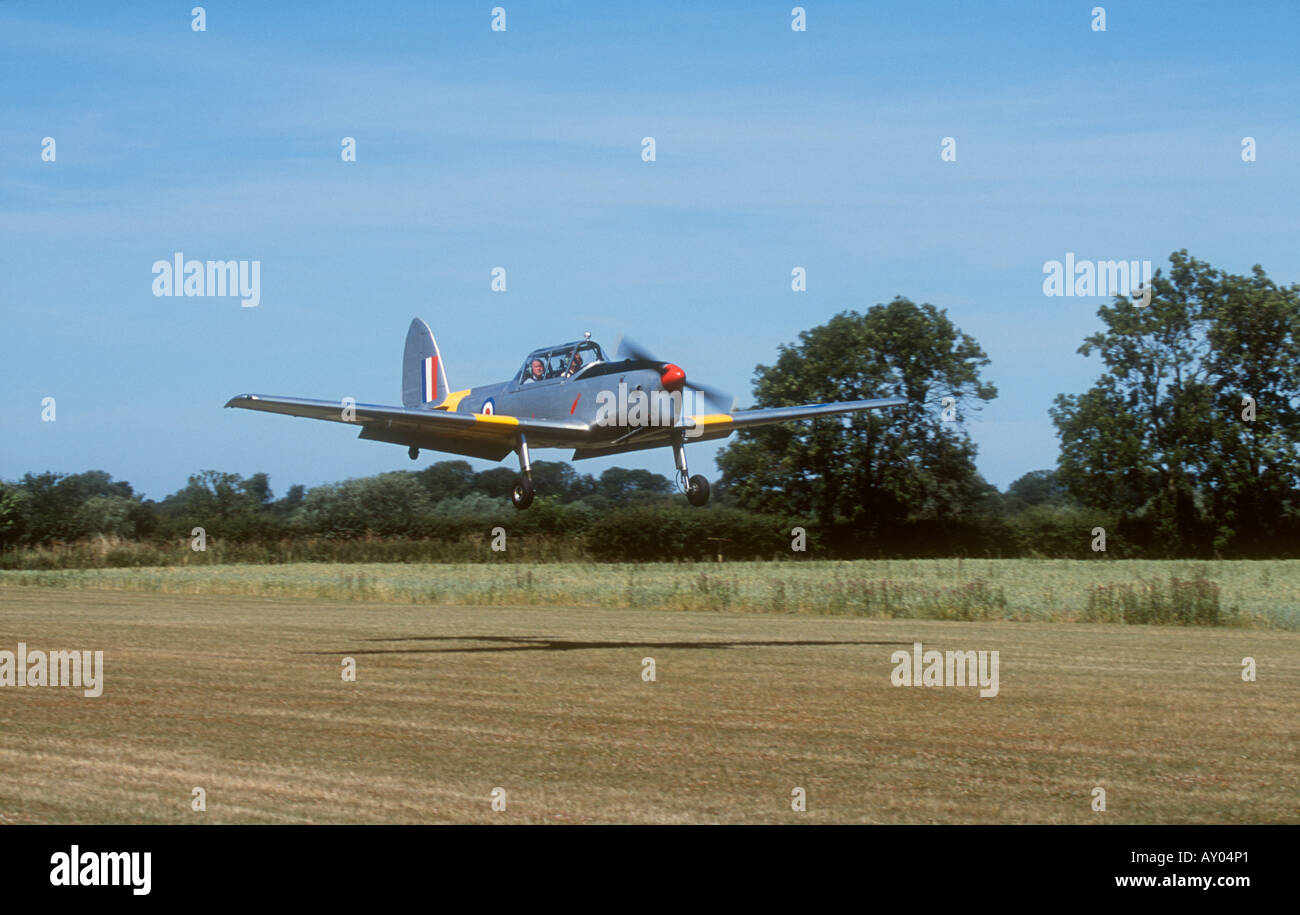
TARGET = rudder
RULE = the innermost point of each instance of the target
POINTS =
(424, 379)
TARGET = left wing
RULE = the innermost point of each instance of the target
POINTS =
(708, 426)
(740, 419)
(489, 436)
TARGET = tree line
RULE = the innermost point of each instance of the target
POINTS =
(621, 515)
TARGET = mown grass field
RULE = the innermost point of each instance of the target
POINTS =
(242, 695)
(1244, 594)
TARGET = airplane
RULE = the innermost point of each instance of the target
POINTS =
(567, 396)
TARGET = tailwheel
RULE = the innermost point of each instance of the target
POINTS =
(522, 494)
(697, 490)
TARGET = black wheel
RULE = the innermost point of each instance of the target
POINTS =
(413, 452)
(698, 492)
(522, 494)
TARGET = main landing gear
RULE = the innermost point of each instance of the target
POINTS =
(696, 487)
(522, 494)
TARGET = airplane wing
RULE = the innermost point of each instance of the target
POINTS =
(475, 434)
(708, 426)
(741, 419)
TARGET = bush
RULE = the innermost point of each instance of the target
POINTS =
(672, 533)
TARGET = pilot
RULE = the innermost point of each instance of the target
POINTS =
(537, 371)
(574, 364)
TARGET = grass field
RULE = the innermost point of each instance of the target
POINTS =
(1246, 594)
(243, 697)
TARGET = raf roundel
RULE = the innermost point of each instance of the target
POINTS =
(489, 407)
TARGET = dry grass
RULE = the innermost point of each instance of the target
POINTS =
(243, 697)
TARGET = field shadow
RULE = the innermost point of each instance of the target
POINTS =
(503, 643)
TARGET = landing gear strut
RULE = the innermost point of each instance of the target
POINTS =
(522, 494)
(696, 487)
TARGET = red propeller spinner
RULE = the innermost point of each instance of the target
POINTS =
(673, 377)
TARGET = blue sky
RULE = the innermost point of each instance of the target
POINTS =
(521, 149)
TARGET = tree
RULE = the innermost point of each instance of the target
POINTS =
(1253, 465)
(447, 479)
(212, 495)
(1160, 438)
(290, 502)
(554, 478)
(389, 504)
(497, 482)
(106, 515)
(1134, 442)
(873, 470)
(623, 487)
(52, 506)
(258, 489)
(12, 512)
(1038, 487)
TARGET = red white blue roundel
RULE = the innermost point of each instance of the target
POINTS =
(489, 407)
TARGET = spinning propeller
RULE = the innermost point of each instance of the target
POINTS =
(673, 376)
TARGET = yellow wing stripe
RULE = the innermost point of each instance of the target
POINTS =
(711, 419)
(498, 420)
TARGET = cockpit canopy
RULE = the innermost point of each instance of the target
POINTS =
(563, 361)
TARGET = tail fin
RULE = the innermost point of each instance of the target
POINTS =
(424, 380)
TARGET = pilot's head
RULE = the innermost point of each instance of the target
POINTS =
(538, 368)
(576, 362)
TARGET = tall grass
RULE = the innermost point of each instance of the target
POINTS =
(1238, 593)
(112, 552)
(1194, 602)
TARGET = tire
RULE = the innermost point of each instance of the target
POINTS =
(698, 492)
(522, 494)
